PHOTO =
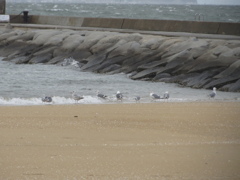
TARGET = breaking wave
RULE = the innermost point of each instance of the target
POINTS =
(56, 100)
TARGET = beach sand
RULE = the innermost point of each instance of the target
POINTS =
(187, 140)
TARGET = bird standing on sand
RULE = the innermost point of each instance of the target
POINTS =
(101, 95)
(76, 97)
(47, 99)
(119, 96)
(154, 96)
(213, 93)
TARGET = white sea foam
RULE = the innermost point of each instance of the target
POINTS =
(20, 101)
(70, 62)
(55, 100)
(55, 10)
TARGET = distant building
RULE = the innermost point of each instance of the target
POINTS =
(2, 6)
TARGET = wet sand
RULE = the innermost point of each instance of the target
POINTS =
(194, 140)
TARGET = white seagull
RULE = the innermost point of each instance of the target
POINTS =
(154, 96)
(119, 96)
(213, 93)
(101, 95)
(76, 97)
(47, 99)
(137, 98)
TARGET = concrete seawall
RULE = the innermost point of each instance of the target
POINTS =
(188, 61)
(136, 24)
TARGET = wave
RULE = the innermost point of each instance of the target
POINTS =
(55, 100)
(55, 9)
(70, 62)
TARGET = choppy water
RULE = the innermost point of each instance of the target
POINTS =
(25, 84)
(139, 11)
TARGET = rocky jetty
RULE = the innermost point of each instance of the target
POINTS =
(188, 61)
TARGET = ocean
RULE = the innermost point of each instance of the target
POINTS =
(26, 84)
(220, 13)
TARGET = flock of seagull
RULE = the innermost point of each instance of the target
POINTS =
(119, 96)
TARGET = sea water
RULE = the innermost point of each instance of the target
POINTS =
(219, 13)
(26, 84)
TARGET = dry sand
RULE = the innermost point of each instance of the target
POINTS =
(195, 140)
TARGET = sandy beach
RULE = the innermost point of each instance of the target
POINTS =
(187, 140)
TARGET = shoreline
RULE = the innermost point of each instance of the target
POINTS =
(235, 100)
(189, 140)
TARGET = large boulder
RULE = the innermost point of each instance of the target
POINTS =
(90, 40)
(184, 45)
(232, 71)
(193, 62)
(40, 59)
(93, 62)
(235, 87)
(42, 36)
(72, 41)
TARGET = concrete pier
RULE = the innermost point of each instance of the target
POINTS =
(222, 28)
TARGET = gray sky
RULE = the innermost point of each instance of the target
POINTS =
(232, 2)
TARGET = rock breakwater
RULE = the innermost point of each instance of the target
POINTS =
(188, 61)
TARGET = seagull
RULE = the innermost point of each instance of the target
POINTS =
(166, 95)
(213, 93)
(101, 95)
(137, 98)
(47, 99)
(154, 96)
(76, 97)
(119, 96)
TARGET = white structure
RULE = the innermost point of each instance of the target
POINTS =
(4, 18)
